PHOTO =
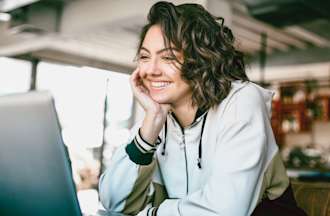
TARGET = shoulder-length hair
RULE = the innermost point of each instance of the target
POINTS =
(210, 61)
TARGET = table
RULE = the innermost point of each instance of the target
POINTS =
(106, 213)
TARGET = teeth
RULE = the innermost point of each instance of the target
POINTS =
(159, 84)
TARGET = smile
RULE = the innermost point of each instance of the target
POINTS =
(159, 85)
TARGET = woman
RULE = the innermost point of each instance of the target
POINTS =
(205, 146)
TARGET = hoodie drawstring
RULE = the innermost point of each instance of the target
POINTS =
(199, 160)
(164, 146)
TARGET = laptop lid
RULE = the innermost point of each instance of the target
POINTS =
(35, 174)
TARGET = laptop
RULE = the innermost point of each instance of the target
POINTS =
(35, 172)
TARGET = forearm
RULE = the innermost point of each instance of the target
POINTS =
(116, 189)
(135, 160)
(113, 185)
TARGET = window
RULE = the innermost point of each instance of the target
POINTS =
(14, 75)
(80, 98)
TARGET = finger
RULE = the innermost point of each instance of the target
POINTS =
(138, 81)
(144, 89)
(135, 79)
(134, 74)
(139, 90)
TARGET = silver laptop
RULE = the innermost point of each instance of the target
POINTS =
(35, 172)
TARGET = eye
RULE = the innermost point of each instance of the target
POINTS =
(143, 57)
(168, 58)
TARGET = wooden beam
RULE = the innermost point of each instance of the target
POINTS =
(249, 46)
(274, 33)
(308, 36)
(297, 57)
(256, 37)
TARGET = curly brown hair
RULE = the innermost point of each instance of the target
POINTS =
(210, 61)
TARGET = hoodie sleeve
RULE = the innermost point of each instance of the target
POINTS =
(131, 182)
(234, 183)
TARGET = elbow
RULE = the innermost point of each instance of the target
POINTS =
(104, 193)
(107, 198)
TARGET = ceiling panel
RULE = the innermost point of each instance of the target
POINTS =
(117, 38)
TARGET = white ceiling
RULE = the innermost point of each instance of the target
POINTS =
(104, 33)
(7, 5)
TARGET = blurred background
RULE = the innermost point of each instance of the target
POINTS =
(83, 51)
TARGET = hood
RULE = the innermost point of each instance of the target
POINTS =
(267, 95)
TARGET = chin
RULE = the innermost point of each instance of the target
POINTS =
(161, 100)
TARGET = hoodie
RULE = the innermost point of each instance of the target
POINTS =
(225, 163)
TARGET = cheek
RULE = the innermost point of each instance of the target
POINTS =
(172, 73)
(143, 68)
(184, 87)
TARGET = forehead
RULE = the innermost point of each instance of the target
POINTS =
(154, 42)
(154, 39)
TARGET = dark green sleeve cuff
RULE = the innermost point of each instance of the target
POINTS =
(140, 151)
(137, 156)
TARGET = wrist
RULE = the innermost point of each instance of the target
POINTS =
(151, 127)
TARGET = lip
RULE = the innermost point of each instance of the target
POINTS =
(150, 80)
(158, 88)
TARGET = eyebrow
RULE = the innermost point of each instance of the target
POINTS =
(162, 50)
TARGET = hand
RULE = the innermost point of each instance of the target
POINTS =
(141, 93)
(155, 113)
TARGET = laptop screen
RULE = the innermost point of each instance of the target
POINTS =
(35, 174)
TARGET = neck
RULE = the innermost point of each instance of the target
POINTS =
(185, 113)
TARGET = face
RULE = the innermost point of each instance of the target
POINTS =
(159, 71)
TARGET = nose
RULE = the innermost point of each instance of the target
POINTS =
(153, 68)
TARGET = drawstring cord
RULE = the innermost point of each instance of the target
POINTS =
(199, 160)
(165, 133)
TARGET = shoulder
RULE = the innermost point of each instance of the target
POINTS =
(249, 96)
(245, 100)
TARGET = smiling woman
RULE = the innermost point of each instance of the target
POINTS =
(205, 145)
(159, 71)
